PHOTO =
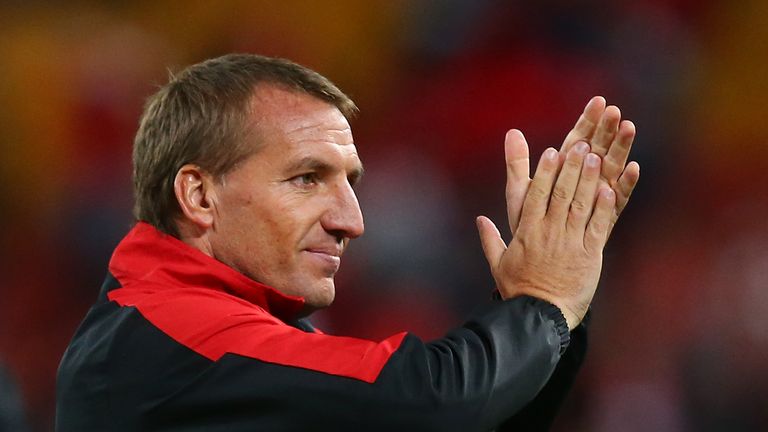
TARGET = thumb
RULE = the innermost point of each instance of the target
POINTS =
(518, 175)
(490, 239)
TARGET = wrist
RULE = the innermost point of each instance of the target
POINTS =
(551, 311)
(562, 325)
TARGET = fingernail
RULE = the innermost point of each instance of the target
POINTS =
(550, 153)
(607, 193)
(582, 148)
(593, 160)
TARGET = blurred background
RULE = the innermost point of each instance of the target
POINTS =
(679, 337)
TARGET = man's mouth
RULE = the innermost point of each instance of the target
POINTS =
(332, 250)
(328, 257)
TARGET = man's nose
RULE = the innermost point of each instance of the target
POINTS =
(344, 218)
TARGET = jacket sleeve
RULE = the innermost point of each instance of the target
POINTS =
(540, 413)
(473, 379)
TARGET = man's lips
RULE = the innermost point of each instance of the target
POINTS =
(326, 250)
(329, 257)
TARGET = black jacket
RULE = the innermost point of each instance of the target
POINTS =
(178, 341)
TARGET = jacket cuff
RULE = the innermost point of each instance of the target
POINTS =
(555, 314)
(552, 312)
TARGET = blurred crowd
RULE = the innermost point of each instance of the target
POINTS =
(679, 336)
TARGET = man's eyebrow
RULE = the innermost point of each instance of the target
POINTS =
(308, 163)
(314, 164)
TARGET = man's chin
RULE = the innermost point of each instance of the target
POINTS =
(319, 298)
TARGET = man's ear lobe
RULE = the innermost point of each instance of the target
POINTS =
(193, 189)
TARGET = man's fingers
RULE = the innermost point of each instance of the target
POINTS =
(518, 175)
(606, 130)
(585, 125)
(584, 200)
(599, 224)
(625, 185)
(537, 199)
(614, 161)
(490, 239)
(623, 189)
(567, 182)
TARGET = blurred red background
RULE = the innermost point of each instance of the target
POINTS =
(680, 328)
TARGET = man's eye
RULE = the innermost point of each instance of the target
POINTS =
(305, 179)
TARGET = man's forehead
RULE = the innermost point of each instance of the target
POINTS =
(295, 126)
(294, 111)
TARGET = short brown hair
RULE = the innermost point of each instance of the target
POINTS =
(200, 116)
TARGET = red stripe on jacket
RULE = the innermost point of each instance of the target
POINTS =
(213, 310)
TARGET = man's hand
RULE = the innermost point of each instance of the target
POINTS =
(610, 138)
(556, 254)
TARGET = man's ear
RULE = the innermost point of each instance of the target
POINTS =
(194, 192)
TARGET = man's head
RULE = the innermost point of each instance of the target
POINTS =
(251, 160)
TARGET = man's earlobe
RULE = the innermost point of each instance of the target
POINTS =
(192, 188)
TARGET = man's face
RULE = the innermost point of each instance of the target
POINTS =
(285, 215)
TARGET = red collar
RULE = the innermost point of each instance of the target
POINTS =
(147, 256)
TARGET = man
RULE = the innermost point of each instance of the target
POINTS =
(244, 168)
